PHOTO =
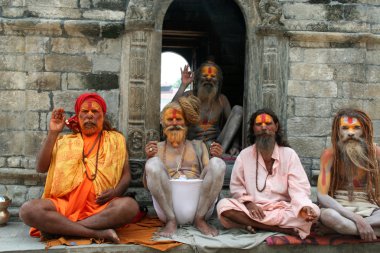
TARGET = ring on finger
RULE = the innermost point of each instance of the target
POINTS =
(150, 149)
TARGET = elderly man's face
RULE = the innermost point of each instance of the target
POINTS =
(174, 126)
(91, 118)
(264, 125)
(350, 129)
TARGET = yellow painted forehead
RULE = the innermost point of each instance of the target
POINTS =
(349, 121)
(263, 118)
(209, 70)
(173, 113)
(90, 105)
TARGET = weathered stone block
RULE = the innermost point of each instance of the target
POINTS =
(32, 143)
(3, 163)
(373, 73)
(309, 44)
(53, 12)
(307, 146)
(12, 100)
(319, 107)
(301, 71)
(361, 90)
(343, 103)
(303, 11)
(112, 30)
(31, 120)
(43, 81)
(80, 28)
(56, 3)
(110, 47)
(37, 44)
(32, 27)
(17, 193)
(12, 12)
(43, 121)
(11, 120)
(104, 15)
(334, 55)
(34, 192)
(295, 54)
(65, 99)
(373, 57)
(308, 126)
(37, 100)
(72, 46)
(106, 64)
(376, 128)
(12, 62)
(312, 88)
(34, 62)
(14, 161)
(12, 44)
(85, 4)
(350, 72)
(372, 107)
(349, 26)
(12, 80)
(103, 81)
(374, 14)
(68, 63)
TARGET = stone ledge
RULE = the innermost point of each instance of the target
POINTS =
(18, 176)
(338, 37)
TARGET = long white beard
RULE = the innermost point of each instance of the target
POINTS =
(205, 93)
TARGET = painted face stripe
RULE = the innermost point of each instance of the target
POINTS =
(350, 120)
(209, 70)
(174, 113)
(323, 176)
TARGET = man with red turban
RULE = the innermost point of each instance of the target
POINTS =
(88, 174)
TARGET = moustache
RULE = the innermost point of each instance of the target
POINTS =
(89, 124)
(175, 128)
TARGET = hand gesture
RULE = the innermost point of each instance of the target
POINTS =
(256, 211)
(106, 196)
(57, 120)
(365, 230)
(216, 149)
(187, 76)
(307, 213)
(151, 149)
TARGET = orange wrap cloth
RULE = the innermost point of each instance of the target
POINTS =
(72, 193)
(66, 171)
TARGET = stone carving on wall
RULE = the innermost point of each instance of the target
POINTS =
(138, 58)
(152, 135)
(140, 9)
(136, 104)
(270, 13)
(136, 141)
(137, 170)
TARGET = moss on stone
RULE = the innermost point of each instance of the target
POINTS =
(334, 12)
(118, 5)
(112, 30)
(103, 81)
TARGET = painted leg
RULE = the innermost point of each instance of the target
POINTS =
(118, 213)
(159, 186)
(42, 214)
(246, 222)
(231, 127)
(213, 177)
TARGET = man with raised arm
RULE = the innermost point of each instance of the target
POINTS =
(177, 157)
(269, 187)
(88, 173)
(348, 183)
(215, 109)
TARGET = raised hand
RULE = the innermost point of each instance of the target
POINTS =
(187, 76)
(151, 149)
(57, 120)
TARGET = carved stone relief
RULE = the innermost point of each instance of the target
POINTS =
(136, 103)
(270, 13)
(136, 141)
(140, 10)
(138, 58)
(137, 170)
(152, 135)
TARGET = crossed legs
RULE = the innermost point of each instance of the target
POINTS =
(43, 215)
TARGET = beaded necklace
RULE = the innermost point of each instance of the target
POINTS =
(257, 173)
(84, 156)
(180, 162)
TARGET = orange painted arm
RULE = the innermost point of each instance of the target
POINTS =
(324, 178)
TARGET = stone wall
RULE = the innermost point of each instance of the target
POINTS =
(53, 50)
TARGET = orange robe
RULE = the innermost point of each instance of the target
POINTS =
(80, 203)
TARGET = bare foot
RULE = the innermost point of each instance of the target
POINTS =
(109, 235)
(205, 228)
(250, 229)
(169, 229)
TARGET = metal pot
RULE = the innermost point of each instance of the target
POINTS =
(4, 213)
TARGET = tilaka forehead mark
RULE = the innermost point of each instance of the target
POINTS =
(263, 118)
(348, 121)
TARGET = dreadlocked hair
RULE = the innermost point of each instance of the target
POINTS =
(372, 166)
(189, 106)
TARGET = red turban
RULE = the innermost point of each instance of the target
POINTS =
(73, 122)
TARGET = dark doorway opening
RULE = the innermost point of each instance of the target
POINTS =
(198, 29)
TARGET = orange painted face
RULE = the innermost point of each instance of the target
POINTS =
(209, 72)
(173, 117)
(91, 118)
(264, 124)
(350, 128)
